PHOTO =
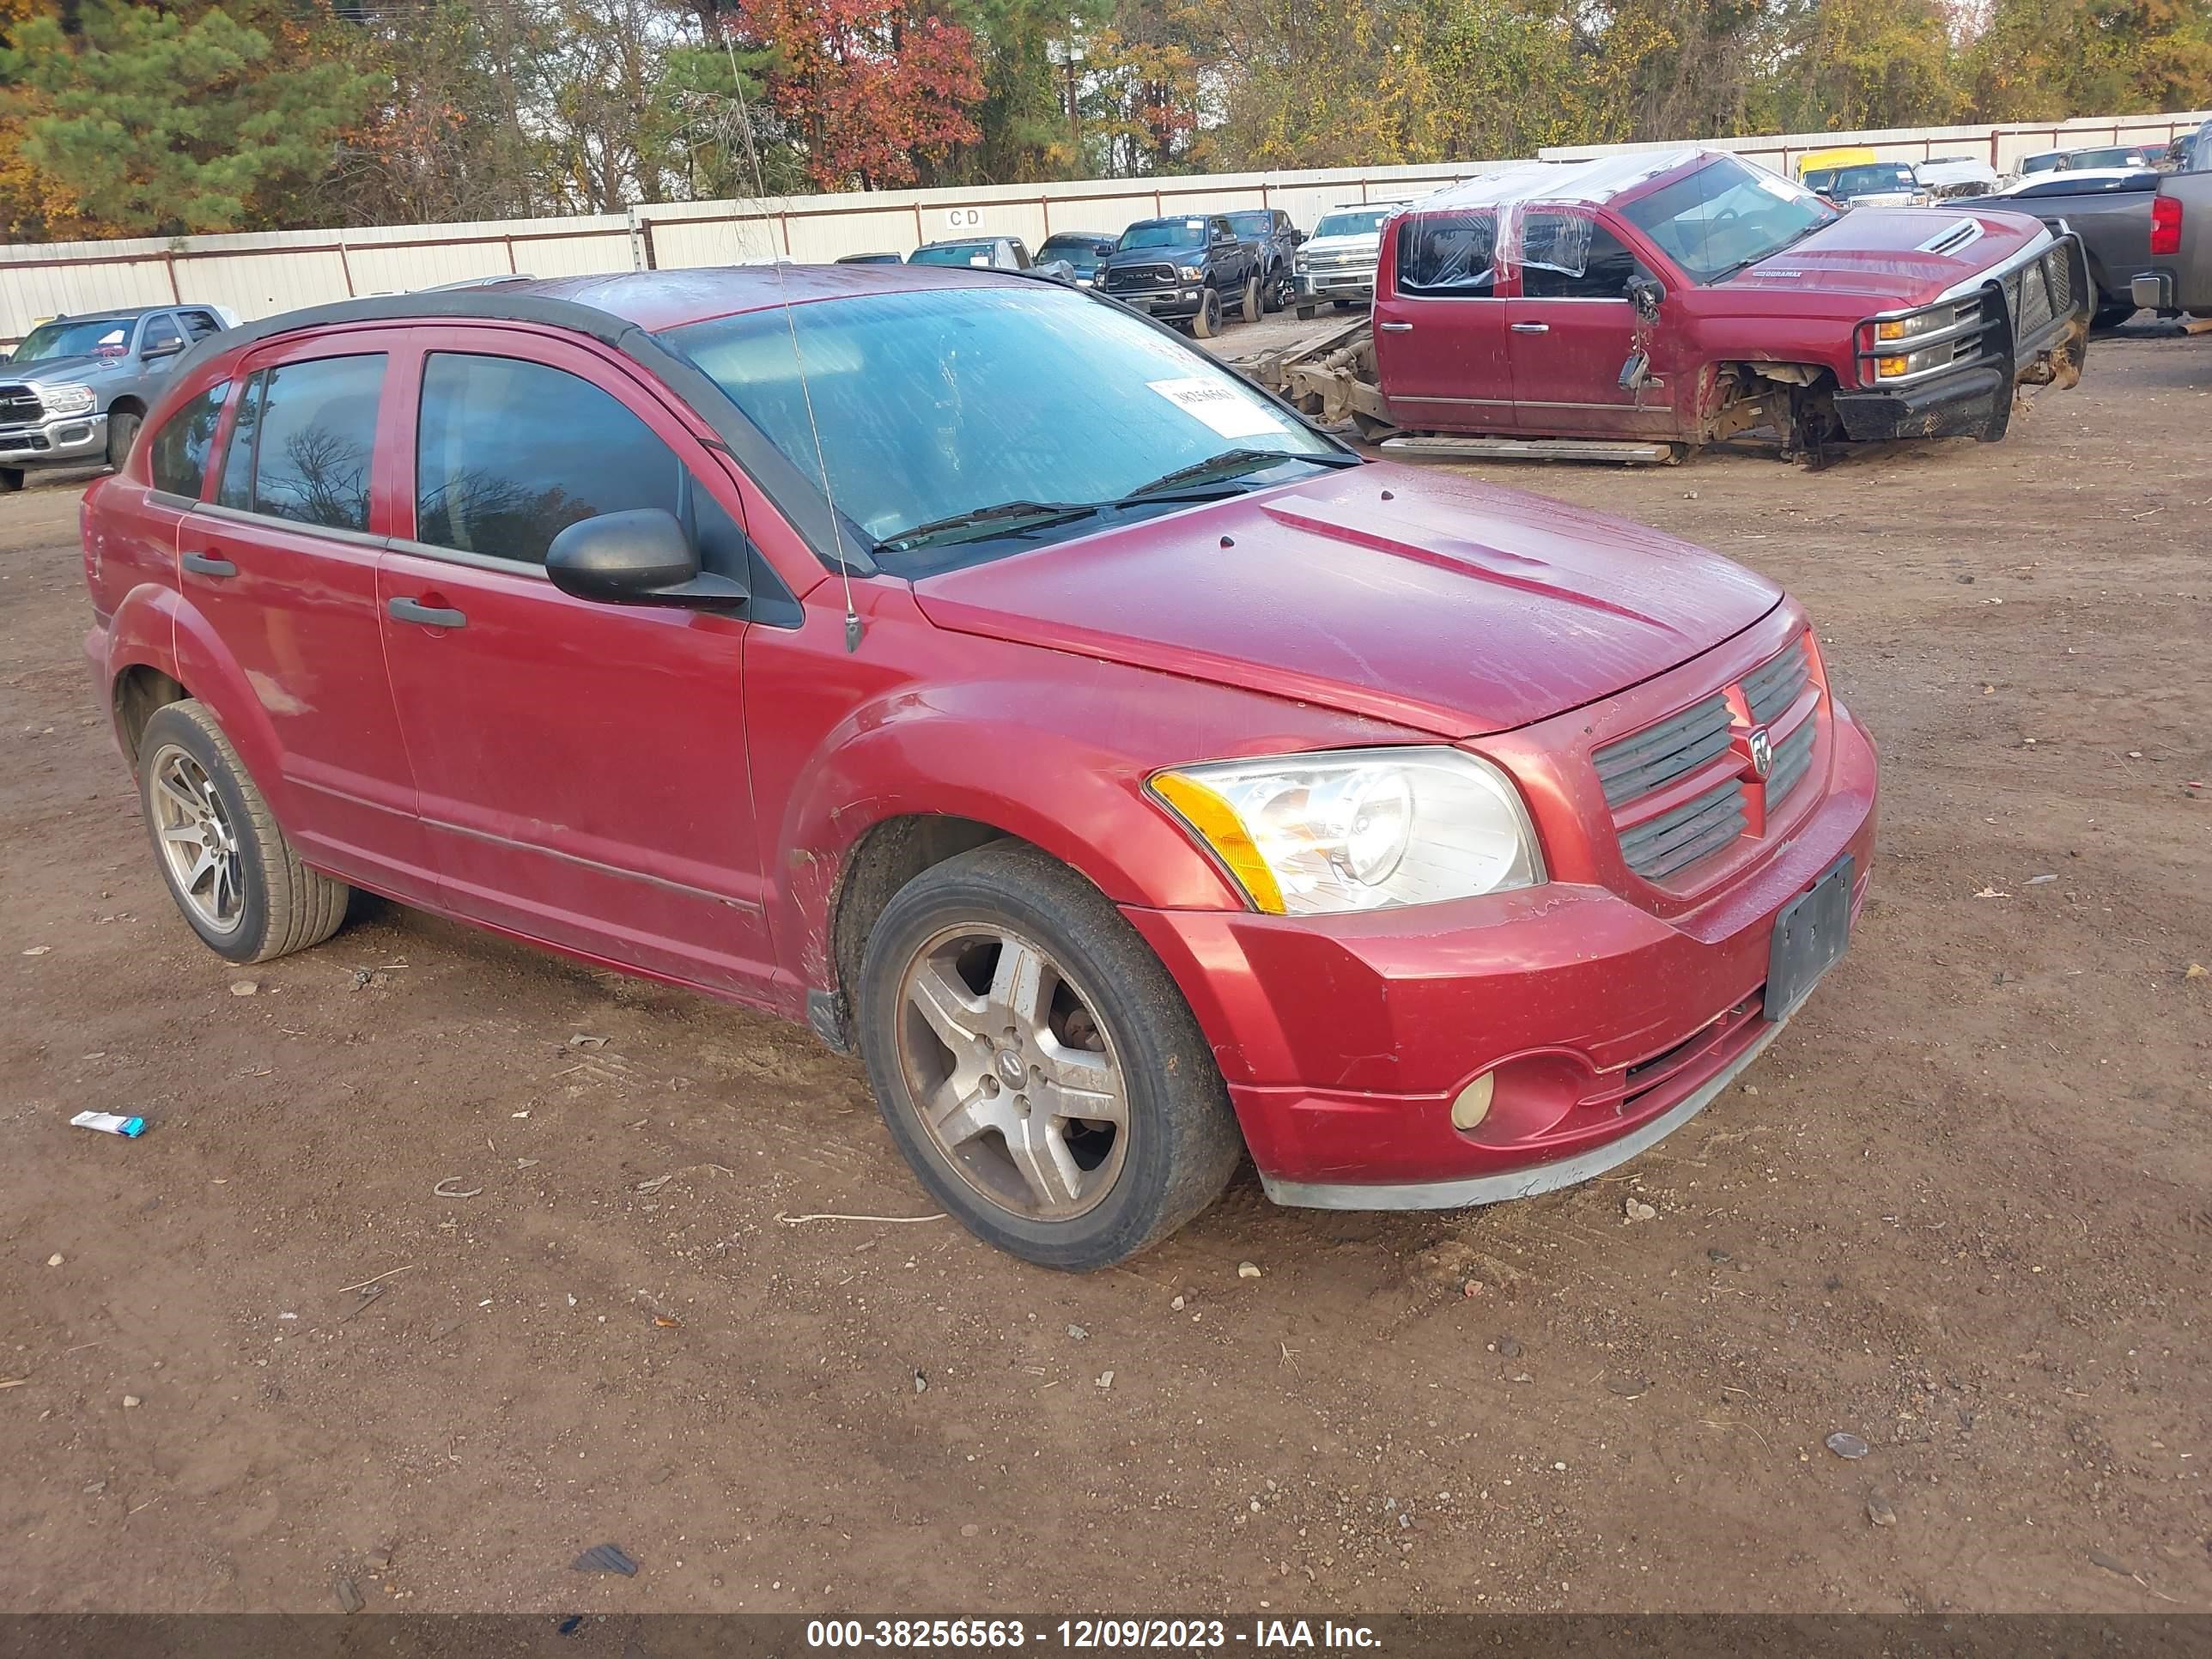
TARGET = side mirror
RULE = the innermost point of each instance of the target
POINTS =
(640, 557)
(159, 349)
(1298, 237)
(1647, 293)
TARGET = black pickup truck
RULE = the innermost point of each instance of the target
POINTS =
(2110, 210)
(1191, 268)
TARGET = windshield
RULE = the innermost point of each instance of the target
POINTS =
(1362, 222)
(1080, 252)
(1165, 233)
(1726, 216)
(77, 337)
(1867, 180)
(936, 403)
(952, 254)
(1252, 224)
(2123, 157)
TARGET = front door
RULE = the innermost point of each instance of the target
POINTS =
(282, 569)
(1572, 329)
(1440, 340)
(581, 766)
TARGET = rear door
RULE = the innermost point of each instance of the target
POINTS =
(281, 565)
(1440, 340)
(582, 766)
(1571, 329)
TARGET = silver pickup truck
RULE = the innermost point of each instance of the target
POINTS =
(73, 394)
(2179, 276)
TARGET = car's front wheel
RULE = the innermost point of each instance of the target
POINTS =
(122, 433)
(1255, 304)
(226, 865)
(1036, 1065)
(11, 480)
(1207, 323)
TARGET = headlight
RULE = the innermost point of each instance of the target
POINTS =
(1358, 828)
(65, 399)
(1300, 263)
(1191, 273)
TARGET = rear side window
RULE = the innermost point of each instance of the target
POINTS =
(178, 455)
(199, 323)
(302, 443)
(1570, 256)
(1449, 254)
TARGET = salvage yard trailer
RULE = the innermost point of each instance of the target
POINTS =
(1640, 305)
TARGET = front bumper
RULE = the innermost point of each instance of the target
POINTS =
(1608, 1022)
(1357, 283)
(2023, 344)
(59, 440)
(1174, 304)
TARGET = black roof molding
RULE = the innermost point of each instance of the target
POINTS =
(837, 544)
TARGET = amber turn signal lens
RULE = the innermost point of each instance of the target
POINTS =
(1889, 330)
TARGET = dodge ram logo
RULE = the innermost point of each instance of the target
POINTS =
(1762, 751)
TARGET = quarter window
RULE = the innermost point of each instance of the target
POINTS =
(1451, 254)
(1570, 256)
(302, 444)
(179, 452)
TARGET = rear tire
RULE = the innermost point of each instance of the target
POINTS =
(1256, 300)
(1307, 314)
(1207, 323)
(255, 900)
(2110, 316)
(1083, 1013)
(122, 433)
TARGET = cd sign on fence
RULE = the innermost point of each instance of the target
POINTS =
(962, 218)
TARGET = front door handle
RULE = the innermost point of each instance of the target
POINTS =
(206, 564)
(1532, 328)
(1395, 328)
(430, 616)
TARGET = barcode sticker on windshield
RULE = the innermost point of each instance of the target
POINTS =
(1230, 412)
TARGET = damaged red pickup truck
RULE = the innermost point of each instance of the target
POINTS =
(1681, 297)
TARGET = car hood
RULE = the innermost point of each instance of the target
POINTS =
(54, 370)
(1424, 599)
(1901, 254)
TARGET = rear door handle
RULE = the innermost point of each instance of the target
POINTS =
(1395, 328)
(1532, 328)
(206, 564)
(430, 616)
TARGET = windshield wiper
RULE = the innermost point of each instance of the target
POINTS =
(1006, 519)
(1230, 463)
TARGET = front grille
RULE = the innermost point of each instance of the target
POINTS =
(1707, 747)
(1793, 758)
(1141, 277)
(1338, 261)
(1659, 847)
(18, 403)
(1769, 690)
(1656, 755)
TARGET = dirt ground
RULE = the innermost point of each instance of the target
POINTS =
(1961, 1210)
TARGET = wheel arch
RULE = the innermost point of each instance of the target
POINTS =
(128, 403)
(139, 691)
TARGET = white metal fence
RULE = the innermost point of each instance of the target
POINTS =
(265, 273)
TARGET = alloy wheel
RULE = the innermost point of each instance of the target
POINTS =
(1013, 1076)
(198, 841)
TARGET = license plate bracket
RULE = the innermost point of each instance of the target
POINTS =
(1810, 935)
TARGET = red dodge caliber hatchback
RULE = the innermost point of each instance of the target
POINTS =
(964, 665)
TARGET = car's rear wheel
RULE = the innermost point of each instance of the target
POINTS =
(122, 433)
(1282, 289)
(1307, 314)
(1035, 1064)
(233, 874)
(1207, 323)
(1255, 303)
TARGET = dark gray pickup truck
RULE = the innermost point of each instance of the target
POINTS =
(2110, 210)
(73, 391)
(2178, 274)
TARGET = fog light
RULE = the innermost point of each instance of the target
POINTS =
(1474, 1103)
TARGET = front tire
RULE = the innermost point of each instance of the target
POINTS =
(1035, 1064)
(1207, 323)
(1255, 303)
(234, 876)
(122, 433)
(11, 480)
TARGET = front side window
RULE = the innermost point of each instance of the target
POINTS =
(161, 335)
(305, 436)
(178, 457)
(1726, 216)
(1451, 255)
(1570, 256)
(911, 394)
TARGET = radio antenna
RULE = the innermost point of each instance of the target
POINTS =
(852, 628)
